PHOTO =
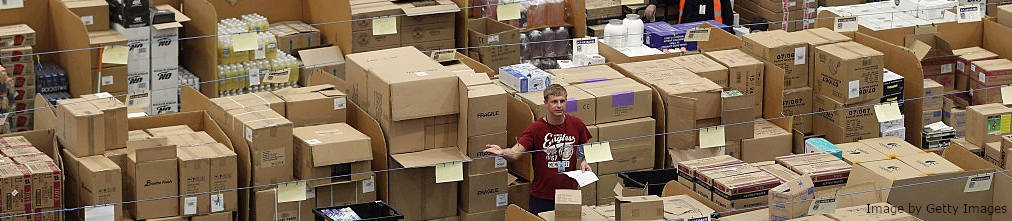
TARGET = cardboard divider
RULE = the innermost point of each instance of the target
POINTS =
(473, 64)
(72, 35)
(519, 116)
(773, 82)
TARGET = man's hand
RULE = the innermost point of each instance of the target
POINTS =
(648, 13)
(584, 166)
(494, 149)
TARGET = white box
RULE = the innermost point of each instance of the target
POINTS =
(162, 79)
(891, 125)
(898, 132)
(139, 58)
(164, 101)
(165, 45)
(524, 77)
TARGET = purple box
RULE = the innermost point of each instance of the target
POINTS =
(662, 35)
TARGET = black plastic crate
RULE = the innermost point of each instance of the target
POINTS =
(377, 210)
(655, 179)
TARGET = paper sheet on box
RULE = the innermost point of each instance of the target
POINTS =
(449, 172)
(599, 152)
(106, 212)
(291, 192)
(583, 178)
(115, 55)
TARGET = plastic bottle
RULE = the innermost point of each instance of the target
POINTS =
(525, 53)
(548, 42)
(556, 12)
(615, 33)
(535, 46)
(634, 29)
(562, 47)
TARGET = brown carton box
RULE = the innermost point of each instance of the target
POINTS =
(497, 42)
(884, 173)
(876, 211)
(628, 154)
(432, 133)
(973, 148)
(687, 168)
(115, 117)
(931, 116)
(856, 75)
(476, 149)
(520, 192)
(858, 121)
(858, 152)
(648, 207)
(151, 173)
(932, 95)
(223, 176)
(930, 164)
(967, 55)
(745, 73)
(94, 13)
(768, 142)
(589, 193)
(17, 35)
(314, 105)
(47, 184)
(83, 127)
(815, 38)
(736, 111)
(892, 147)
(984, 124)
(567, 205)
(483, 110)
(326, 60)
(346, 193)
(414, 192)
(785, 51)
(620, 99)
(792, 199)
(604, 195)
(113, 79)
(169, 131)
(268, 136)
(935, 54)
(704, 67)
(331, 150)
(704, 177)
(220, 106)
(579, 103)
(580, 75)
(295, 35)
(417, 88)
(993, 153)
(743, 191)
(779, 171)
(799, 101)
(692, 96)
(194, 177)
(989, 74)
(484, 192)
(826, 173)
(14, 177)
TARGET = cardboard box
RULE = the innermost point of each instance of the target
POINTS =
(213, 217)
(314, 105)
(847, 123)
(220, 106)
(704, 67)
(792, 199)
(482, 110)
(16, 54)
(988, 74)
(223, 177)
(620, 99)
(295, 35)
(567, 205)
(930, 164)
(83, 130)
(431, 133)
(589, 193)
(962, 143)
(346, 193)
(579, 104)
(858, 152)
(398, 86)
(704, 177)
(745, 73)
(94, 13)
(114, 113)
(151, 173)
(93, 180)
(825, 173)
(849, 72)
(265, 207)
(743, 191)
(326, 60)
(892, 147)
(484, 192)
(739, 119)
(779, 171)
(104, 38)
(501, 37)
(520, 192)
(414, 192)
(768, 142)
(113, 79)
(331, 150)
(955, 117)
(967, 55)
(588, 74)
(781, 49)
(14, 177)
(876, 211)
(476, 149)
(932, 95)
(984, 124)
(689, 96)
(268, 135)
(648, 207)
(17, 35)
(814, 38)
(931, 116)
(687, 169)
(883, 173)
(628, 154)
(798, 101)
(803, 159)
(169, 131)
(194, 174)
(494, 215)
(684, 207)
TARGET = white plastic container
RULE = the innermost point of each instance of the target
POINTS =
(615, 33)
(634, 30)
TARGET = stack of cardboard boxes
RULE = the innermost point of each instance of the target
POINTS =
(33, 174)
(963, 64)
(93, 125)
(17, 40)
(336, 161)
(427, 26)
(731, 183)
(850, 80)
(417, 106)
(791, 15)
(954, 115)
(153, 60)
(798, 101)
(986, 75)
(933, 102)
(485, 191)
(984, 128)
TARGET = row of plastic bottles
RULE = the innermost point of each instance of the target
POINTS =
(249, 22)
(267, 45)
(534, 13)
(251, 76)
(626, 33)
(546, 43)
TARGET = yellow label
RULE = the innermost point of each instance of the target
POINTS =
(449, 172)
(508, 11)
(1006, 122)
(244, 42)
(292, 192)
(599, 152)
(384, 26)
(711, 137)
(115, 55)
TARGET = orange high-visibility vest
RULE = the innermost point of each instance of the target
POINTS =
(716, 11)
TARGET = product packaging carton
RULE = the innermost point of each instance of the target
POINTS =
(82, 128)
(985, 124)
(686, 169)
(620, 99)
(768, 142)
(151, 173)
(783, 50)
(849, 72)
(326, 60)
(314, 105)
(858, 152)
(331, 150)
(484, 192)
(704, 67)
(743, 191)
(792, 199)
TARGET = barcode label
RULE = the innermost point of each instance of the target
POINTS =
(369, 185)
(500, 162)
(340, 103)
(978, 183)
(190, 205)
(854, 89)
(501, 199)
(217, 202)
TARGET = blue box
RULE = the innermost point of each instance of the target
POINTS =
(819, 144)
(662, 35)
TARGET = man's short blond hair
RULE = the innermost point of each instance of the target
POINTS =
(555, 89)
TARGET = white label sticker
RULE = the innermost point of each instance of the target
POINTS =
(978, 183)
(968, 13)
(845, 24)
(103, 95)
(254, 77)
(501, 199)
(190, 205)
(960, 66)
(500, 162)
(586, 46)
(340, 103)
(249, 134)
(217, 202)
(981, 77)
(310, 192)
(422, 74)
(973, 67)
(14, 193)
(946, 68)
(88, 20)
(799, 55)
(11, 4)
(493, 39)
(261, 52)
(853, 88)
(313, 142)
(702, 9)
(822, 206)
(100, 213)
(107, 80)
(369, 185)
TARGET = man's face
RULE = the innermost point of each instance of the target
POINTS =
(556, 105)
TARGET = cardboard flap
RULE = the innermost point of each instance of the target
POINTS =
(156, 148)
(515, 213)
(621, 191)
(428, 158)
(44, 114)
(192, 100)
(965, 159)
(321, 56)
(428, 10)
(857, 194)
(180, 17)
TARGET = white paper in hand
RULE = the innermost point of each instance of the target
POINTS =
(582, 177)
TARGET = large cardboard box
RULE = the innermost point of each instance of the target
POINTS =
(194, 177)
(620, 99)
(792, 199)
(648, 207)
(417, 88)
(484, 192)
(82, 127)
(268, 137)
(628, 154)
(814, 38)
(845, 123)
(883, 173)
(768, 142)
(849, 72)
(704, 67)
(930, 164)
(494, 215)
(336, 150)
(797, 102)
(783, 50)
(314, 105)
(114, 113)
(691, 96)
(476, 146)
(988, 74)
(984, 123)
(93, 180)
(743, 191)
(414, 192)
(482, 110)
(745, 73)
(579, 103)
(151, 173)
(580, 75)
(497, 42)
(892, 147)
(858, 152)
(295, 35)
(326, 60)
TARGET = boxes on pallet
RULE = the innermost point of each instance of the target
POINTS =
(314, 105)
(783, 50)
(745, 73)
(151, 173)
(336, 150)
(629, 154)
(966, 56)
(987, 74)
(849, 72)
(484, 192)
(985, 124)
(294, 36)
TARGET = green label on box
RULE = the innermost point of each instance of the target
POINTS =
(994, 125)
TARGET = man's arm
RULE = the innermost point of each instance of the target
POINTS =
(510, 154)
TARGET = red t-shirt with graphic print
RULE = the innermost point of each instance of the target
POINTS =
(541, 135)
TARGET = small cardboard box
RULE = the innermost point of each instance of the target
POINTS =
(993, 153)
(224, 176)
(745, 73)
(930, 164)
(17, 35)
(346, 193)
(782, 49)
(83, 127)
(476, 149)
(194, 177)
(331, 150)
(94, 13)
(648, 207)
(16, 54)
(295, 35)
(892, 147)
(705, 177)
(314, 105)
(580, 75)
(151, 173)
(115, 114)
(14, 177)
(743, 191)
(826, 173)
(484, 192)
(984, 123)
(988, 74)
(797, 102)
(100, 180)
(520, 191)
(791, 199)
(268, 135)
(704, 67)
(498, 41)
(931, 116)
(687, 168)
(848, 123)
(691, 96)
(932, 95)
(620, 99)
(849, 72)
(857, 152)
(113, 79)
(567, 205)
(740, 116)
(415, 193)
(768, 142)
(966, 56)
(326, 60)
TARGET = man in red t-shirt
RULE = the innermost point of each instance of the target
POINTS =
(554, 140)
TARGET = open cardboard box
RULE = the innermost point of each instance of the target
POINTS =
(576, 20)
